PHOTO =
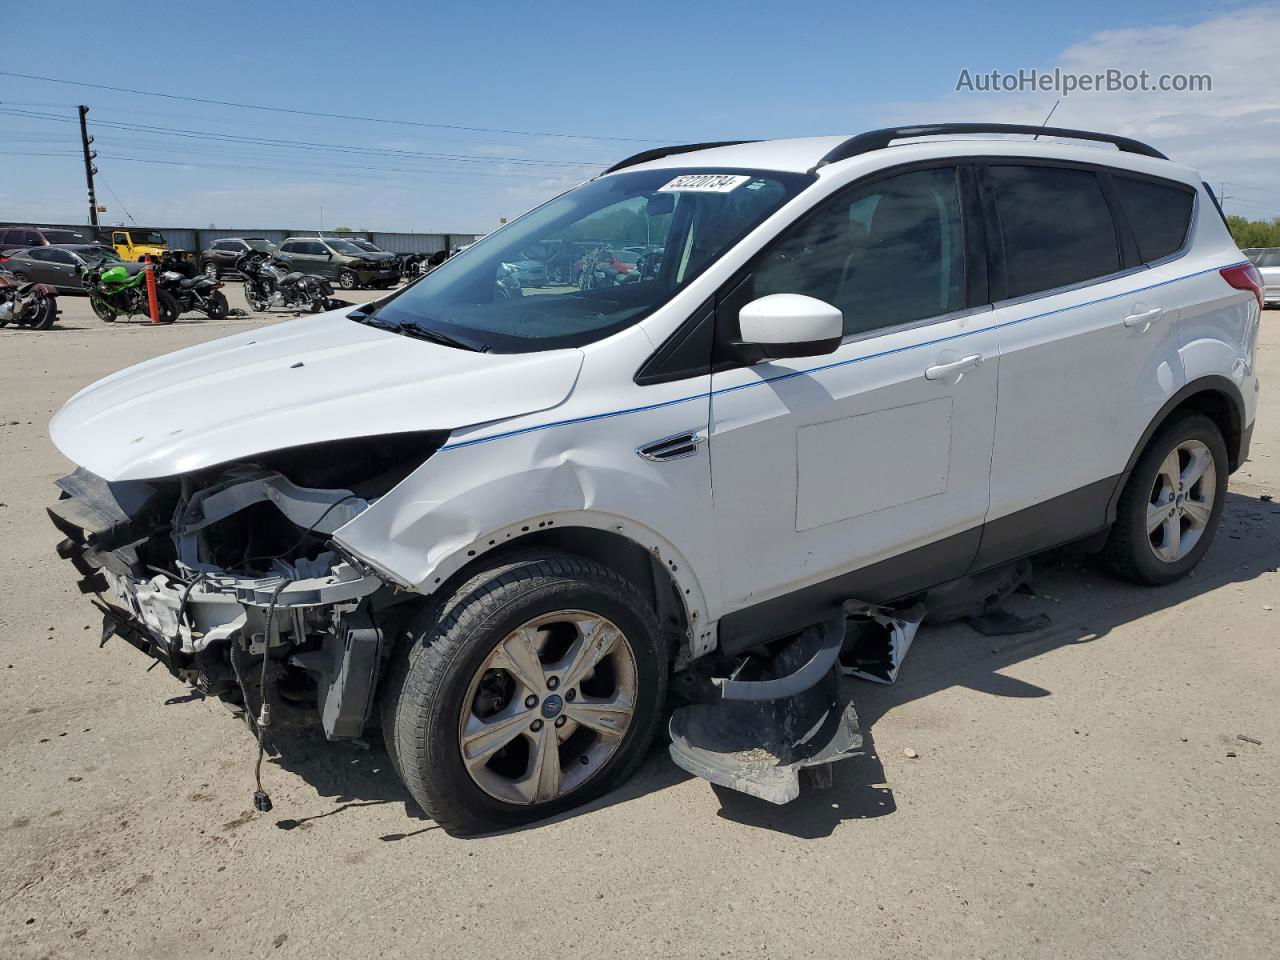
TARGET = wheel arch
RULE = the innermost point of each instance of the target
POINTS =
(648, 561)
(1219, 399)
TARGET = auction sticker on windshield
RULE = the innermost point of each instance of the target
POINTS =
(704, 183)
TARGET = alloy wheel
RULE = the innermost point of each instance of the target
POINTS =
(1181, 501)
(548, 707)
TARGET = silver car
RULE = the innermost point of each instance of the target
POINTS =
(1268, 263)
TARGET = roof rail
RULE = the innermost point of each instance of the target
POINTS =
(657, 153)
(878, 139)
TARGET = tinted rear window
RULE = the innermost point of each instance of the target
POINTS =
(1057, 227)
(1159, 213)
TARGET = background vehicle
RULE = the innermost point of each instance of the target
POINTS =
(26, 303)
(1267, 261)
(222, 255)
(191, 290)
(59, 265)
(12, 238)
(115, 291)
(908, 366)
(268, 282)
(341, 260)
(133, 244)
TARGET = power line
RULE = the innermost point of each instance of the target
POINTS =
(328, 116)
(299, 144)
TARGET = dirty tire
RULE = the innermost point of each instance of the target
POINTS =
(446, 644)
(1128, 549)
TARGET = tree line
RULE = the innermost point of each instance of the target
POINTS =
(1255, 233)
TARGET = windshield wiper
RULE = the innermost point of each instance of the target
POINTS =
(435, 336)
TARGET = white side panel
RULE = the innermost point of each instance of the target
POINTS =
(893, 457)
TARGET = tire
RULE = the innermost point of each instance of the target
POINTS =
(444, 662)
(347, 280)
(47, 315)
(104, 312)
(218, 306)
(317, 305)
(166, 306)
(210, 270)
(256, 303)
(1157, 555)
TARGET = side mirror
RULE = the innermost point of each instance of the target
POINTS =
(788, 325)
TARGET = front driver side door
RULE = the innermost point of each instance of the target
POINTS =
(864, 473)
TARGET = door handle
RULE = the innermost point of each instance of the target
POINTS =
(1146, 316)
(938, 371)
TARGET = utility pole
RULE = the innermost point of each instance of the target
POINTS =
(1222, 197)
(89, 168)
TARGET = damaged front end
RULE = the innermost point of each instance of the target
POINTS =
(213, 571)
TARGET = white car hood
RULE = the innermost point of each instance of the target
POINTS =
(304, 381)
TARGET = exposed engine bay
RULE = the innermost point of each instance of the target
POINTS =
(229, 575)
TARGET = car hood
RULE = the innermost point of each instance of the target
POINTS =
(303, 381)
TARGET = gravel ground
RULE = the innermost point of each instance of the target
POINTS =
(1080, 791)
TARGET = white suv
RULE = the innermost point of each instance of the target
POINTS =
(785, 387)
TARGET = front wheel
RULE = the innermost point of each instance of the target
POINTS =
(103, 311)
(256, 301)
(216, 306)
(211, 270)
(347, 280)
(536, 687)
(167, 307)
(1172, 503)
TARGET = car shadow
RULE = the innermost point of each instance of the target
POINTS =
(1083, 601)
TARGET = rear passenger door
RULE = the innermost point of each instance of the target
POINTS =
(1088, 345)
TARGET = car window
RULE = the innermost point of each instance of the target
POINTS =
(32, 236)
(1159, 213)
(60, 256)
(37, 253)
(64, 236)
(288, 247)
(1269, 258)
(884, 253)
(1056, 225)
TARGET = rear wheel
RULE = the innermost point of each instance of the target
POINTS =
(536, 687)
(211, 270)
(46, 311)
(1172, 503)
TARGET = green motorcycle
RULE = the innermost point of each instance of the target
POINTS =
(113, 293)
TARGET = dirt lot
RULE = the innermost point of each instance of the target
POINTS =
(1078, 792)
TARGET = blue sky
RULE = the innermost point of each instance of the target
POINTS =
(614, 78)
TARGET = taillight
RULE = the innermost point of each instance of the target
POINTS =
(4, 259)
(1244, 276)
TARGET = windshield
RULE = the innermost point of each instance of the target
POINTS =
(366, 245)
(63, 236)
(344, 246)
(615, 249)
(1268, 258)
(152, 237)
(265, 246)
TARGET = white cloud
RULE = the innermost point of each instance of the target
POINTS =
(1230, 134)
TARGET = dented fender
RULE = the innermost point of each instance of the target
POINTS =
(474, 497)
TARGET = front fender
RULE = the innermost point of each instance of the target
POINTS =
(466, 501)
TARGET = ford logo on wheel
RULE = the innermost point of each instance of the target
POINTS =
(552, 706)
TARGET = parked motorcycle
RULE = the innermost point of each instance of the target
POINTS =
(192, 291)
(114, 292)
(26, 303)
(268, 283)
